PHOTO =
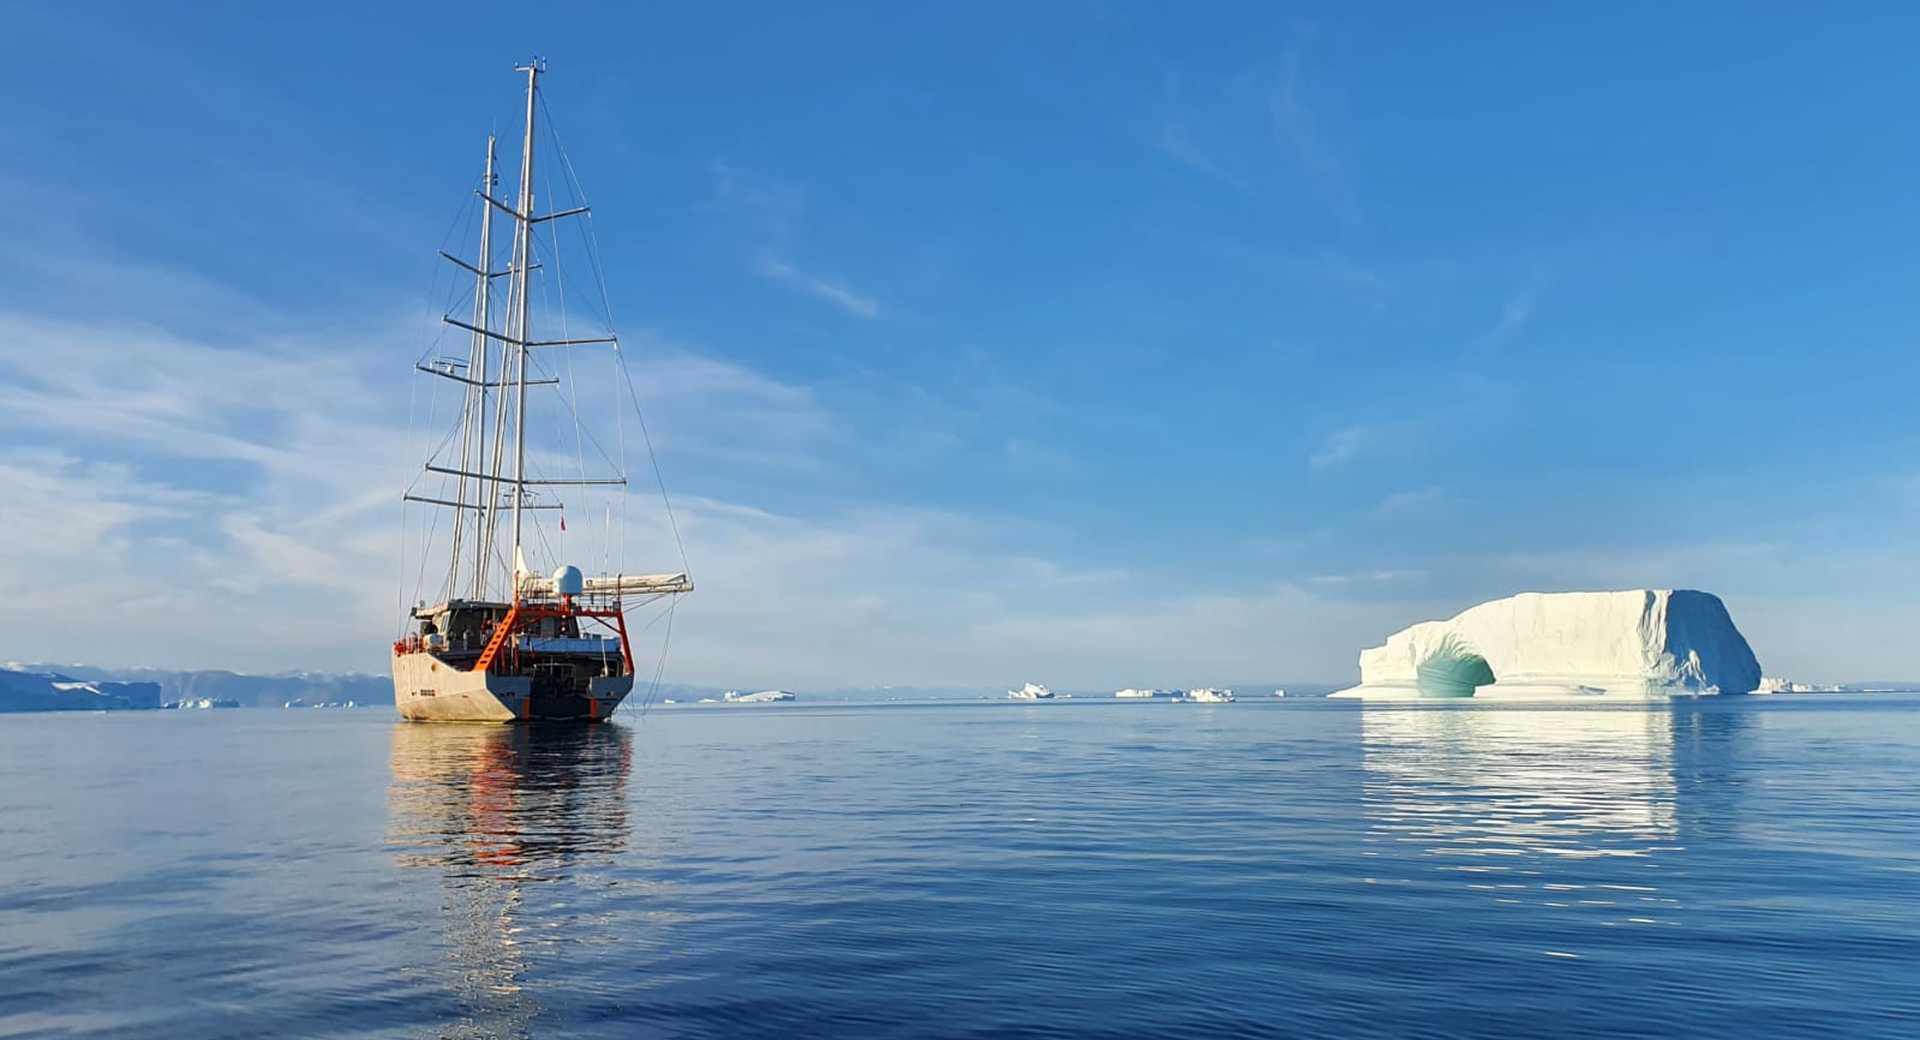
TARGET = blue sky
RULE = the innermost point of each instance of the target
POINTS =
(1100, 344)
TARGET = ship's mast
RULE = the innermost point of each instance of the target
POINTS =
(473, 432)
(519, 329)
(483, 465)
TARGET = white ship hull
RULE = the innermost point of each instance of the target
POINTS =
(427, 689)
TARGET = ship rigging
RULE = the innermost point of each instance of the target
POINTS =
(505, 642)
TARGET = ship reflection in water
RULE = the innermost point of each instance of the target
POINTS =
(1514, 800)
(506, 814)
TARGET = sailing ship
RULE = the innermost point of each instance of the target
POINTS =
(504, 642)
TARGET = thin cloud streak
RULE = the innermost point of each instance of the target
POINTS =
(1294, 123)
(1515, 312)
(1412, 499)
(855, 303)
(1364, 441)
(1175, 143)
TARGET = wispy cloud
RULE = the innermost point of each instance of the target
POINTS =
(772, 207)
(1367, 577)
(1174, 138)
(1360, 441)
(1294, 123)
(1515, 312)
(1175, 143)
(296, 561)
(236, 495)
(1035, 456)
(1412, 498)
(227, 511)
(853, 302)
(771, 212)
(1260, 94)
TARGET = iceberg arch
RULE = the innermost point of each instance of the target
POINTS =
(1638, 643)
(1452, 669)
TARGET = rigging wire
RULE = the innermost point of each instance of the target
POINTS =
(462, 222)
(560, 287)
(462, 210)
(672, 523)
(578, 422)
(459, 226)
(590, 240)
(400, 558)
(426, 548)
(660, 665)
(540, 533)
(606, 302)
(565, 395)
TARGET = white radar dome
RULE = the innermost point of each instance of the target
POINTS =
(568, 581)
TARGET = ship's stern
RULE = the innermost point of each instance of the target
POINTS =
(427, 689)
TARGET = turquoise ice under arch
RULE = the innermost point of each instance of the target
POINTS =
(1453, 669)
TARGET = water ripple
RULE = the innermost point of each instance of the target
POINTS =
(1083, 870)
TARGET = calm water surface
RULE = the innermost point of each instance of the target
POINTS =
(1744, 868)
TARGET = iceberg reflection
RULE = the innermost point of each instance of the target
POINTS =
(1491, 781)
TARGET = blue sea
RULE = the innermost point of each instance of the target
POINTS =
(1730, 868)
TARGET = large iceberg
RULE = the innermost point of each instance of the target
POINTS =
(1637, 643)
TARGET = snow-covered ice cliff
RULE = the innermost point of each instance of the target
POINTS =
(1638, 643)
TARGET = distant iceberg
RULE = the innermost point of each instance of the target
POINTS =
(763, 697)
(1775, 684)
(1636, 643)
(204, 703)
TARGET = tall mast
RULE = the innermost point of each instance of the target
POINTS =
(473, 431)
(523, 259)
